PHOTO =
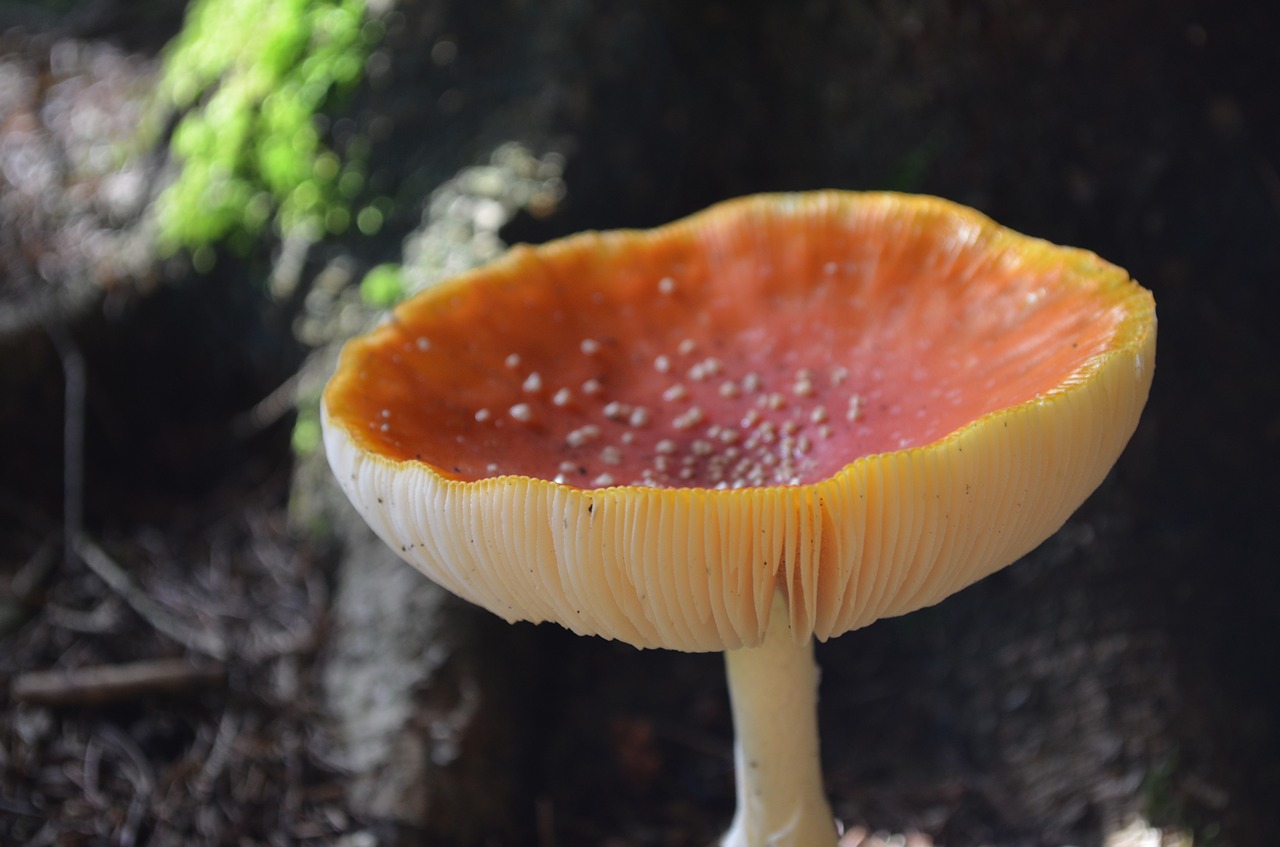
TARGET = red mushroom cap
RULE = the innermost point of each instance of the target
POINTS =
(868, 400)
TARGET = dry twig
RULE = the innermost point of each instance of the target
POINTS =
(112, 683)
(73, 373)
(201, 641)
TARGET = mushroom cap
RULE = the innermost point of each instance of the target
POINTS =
(867, 401)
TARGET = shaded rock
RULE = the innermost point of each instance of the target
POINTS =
(423, 689)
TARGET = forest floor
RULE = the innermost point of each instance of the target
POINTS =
(163, 634)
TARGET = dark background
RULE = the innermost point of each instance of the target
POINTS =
(1145, 632)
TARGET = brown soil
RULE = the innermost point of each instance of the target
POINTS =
(1125, 667)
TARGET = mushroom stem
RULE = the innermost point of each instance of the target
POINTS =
(773, 690)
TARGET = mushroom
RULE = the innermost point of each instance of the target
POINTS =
(777, 420)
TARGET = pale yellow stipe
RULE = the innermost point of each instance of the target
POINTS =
(778, 771)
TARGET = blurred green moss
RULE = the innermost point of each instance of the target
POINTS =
(382, 287)
(307, 435)
(248, 80)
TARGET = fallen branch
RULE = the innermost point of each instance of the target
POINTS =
(73, 375)
(99, 684)
(280, 402)
(118, 581)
